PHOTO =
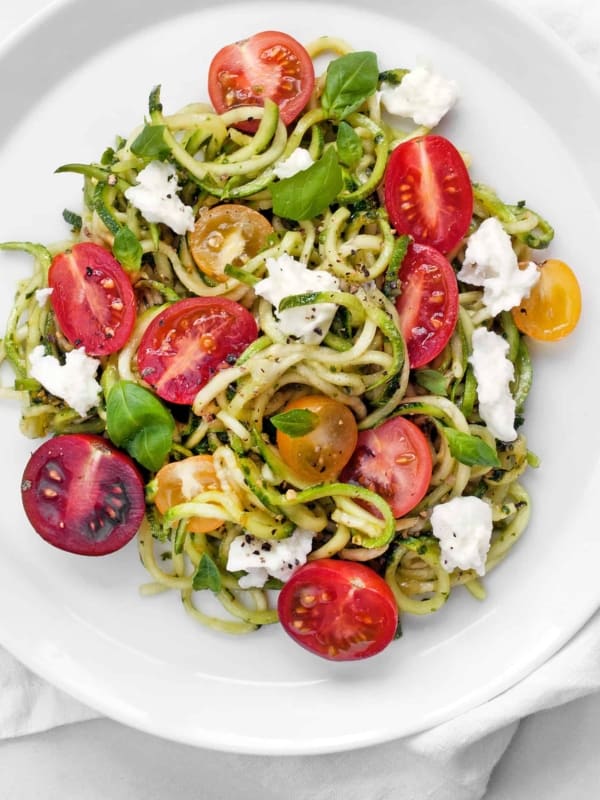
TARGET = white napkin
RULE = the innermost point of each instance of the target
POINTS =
(450, 762)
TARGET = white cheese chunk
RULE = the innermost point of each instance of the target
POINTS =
(422, 95)
(260, 558)
(463, 526)
(287, 277)
(155, 196)
(74, 381)
(494, 372)
(299, 160)
(491, 262)
(42, 295)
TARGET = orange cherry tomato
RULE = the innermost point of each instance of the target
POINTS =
(553, 307)
(179, 481)
(320, 455)
(227, 234)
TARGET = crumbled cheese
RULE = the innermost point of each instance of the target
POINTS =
(155, 196)
(463, 526)
(491, 262)
(422, 95)
(288, 277)
(296, 162)
(42, 295)
(494, 372)
(260, 558)
(74, 381)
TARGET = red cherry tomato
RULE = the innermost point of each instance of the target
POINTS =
(427, 304)
(340, 610)
(269, 64)
(428, 192)
(393, 460)
(83, 495)
(92, 298)
(189, 342)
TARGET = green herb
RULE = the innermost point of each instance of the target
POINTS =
(349, 145)
(150, 143)
(350, 80)
(127, 249)
(470, 450)
(308, 193)
(432, 380)
(296, 423)
(207, 575)
(139, 423)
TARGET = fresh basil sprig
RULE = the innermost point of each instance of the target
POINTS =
(349, 145)
(297, 422)
(207, 575)
(470, 450)
(127, 249)
(139, 423)
(308, 193)
(150, 143)
(350, 80)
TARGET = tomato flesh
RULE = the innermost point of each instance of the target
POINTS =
(428, 193)
(340, 610)
(427, 303)
(92, 298)
(182, 480)
(393, 460)
(227, 234)
(321, 454)
(189, 342)
(553, 307)
(270, 65)
(83, 495)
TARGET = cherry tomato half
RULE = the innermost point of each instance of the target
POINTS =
(189, 342)
(269, 64)
(340, 610)
(427, 304)
(83, 495)
(92, 298)
(227, 234)
(179, 481)
(428, 192)
(553, 307)
(393, 460)
(321, 454)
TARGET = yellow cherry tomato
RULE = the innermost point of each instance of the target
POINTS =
(553, 307)
(227, 234)
(179, 481)
(320, 455)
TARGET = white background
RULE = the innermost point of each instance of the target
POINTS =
(553, 754)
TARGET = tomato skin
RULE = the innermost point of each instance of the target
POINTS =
(268, 64)
(227, 234)
(339, 610)
(553, 307)
(393, 460)
(320, 455)
(181, 480)
(189, 342)
(428, 193)
(92, 298)
(427, 304)
(83, 495)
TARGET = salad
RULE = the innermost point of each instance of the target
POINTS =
(285, 346)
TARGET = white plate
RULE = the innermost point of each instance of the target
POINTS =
(526, 115)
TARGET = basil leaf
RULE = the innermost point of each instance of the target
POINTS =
(308, 193)
(349, 145)
(127, 249)
(139, 423)
(207, 575)
(470, 450)
(150, 143)
(432, 380)
(350, 80)
(297, 422)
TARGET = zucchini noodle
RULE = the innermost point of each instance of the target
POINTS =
(361, 362)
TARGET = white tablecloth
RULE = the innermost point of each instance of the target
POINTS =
(543, 735)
